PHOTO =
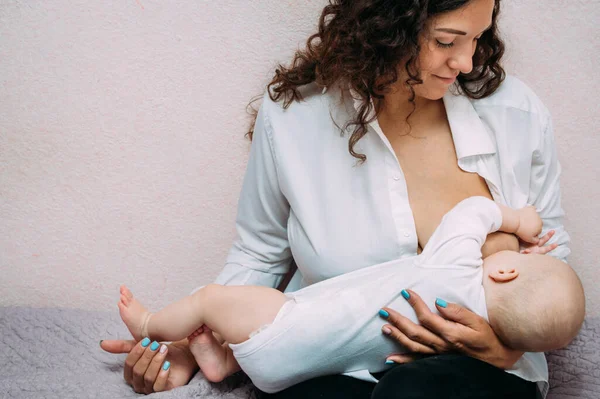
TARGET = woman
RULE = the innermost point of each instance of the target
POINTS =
(379, 72)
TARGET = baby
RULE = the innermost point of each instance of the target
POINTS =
(333, 326)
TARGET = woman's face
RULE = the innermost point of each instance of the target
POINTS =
(448, 45)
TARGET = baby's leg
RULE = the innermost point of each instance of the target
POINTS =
(239, 310)
(215, 360)
(175, 322)
(233, 312)
(132, 312)
(236, 311)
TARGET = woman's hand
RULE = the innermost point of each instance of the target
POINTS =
(458, 330)
(144, 367)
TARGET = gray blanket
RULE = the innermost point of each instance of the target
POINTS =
(54, 353)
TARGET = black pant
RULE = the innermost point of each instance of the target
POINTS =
(436, 377)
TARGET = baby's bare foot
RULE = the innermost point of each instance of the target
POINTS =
(209, 354)
(132, 312)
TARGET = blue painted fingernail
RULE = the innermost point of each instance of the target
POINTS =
(145, 342)
(154, 346)
(166, 365)
(389, 362)
(384, 314)
(441, 303)
(405, 294)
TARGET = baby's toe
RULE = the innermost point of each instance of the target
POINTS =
(125, 291)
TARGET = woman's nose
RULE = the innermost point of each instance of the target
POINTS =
(462, 59)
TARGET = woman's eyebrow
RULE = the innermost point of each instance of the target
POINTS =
(457, 32)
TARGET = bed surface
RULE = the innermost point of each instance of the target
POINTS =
(55, 353)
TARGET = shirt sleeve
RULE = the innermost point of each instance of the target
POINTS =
(260, 254)
(463, 230)
(544, 192)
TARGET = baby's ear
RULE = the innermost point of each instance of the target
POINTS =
(504, 274)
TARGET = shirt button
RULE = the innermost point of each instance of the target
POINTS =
(406, 234)
(396, 178)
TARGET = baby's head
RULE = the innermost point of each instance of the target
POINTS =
(533, 306)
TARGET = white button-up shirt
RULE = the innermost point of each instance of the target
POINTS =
(305, 197)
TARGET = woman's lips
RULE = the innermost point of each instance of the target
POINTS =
(448, 81)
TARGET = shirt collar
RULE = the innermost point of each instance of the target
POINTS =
(469, 133)
(471, 136)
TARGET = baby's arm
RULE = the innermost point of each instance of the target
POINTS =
(461, 234)
(520, 221)
(524, 222)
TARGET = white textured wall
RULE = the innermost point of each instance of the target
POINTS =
(121, 135)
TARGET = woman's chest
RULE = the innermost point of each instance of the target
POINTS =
(434, 181)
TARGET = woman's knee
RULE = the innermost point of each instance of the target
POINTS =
(330, 387)
(451, 376)
(407, 381)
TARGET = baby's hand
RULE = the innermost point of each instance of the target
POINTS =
(539, 248)
(530, 225)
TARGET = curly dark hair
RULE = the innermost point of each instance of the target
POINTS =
(362, 42)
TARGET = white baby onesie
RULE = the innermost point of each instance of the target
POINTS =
(333, 326)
